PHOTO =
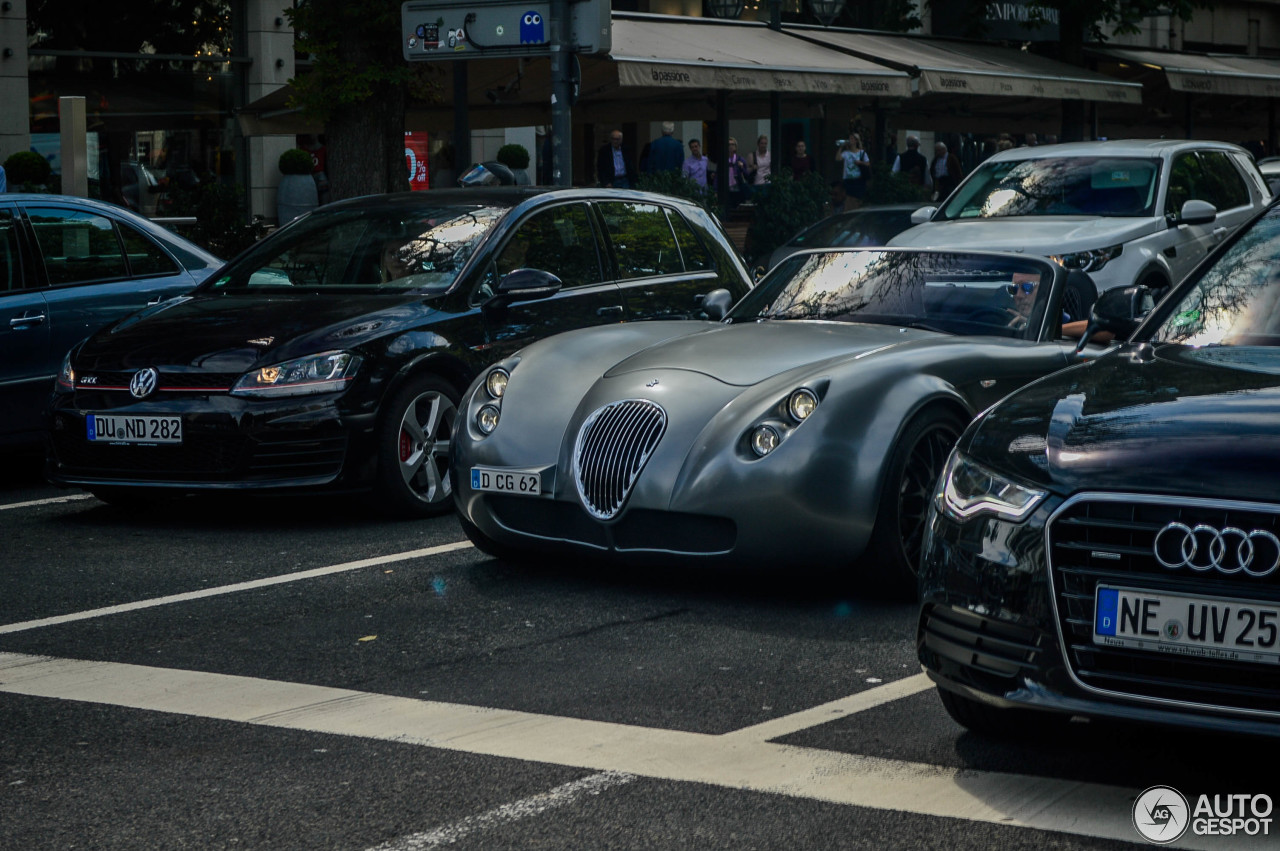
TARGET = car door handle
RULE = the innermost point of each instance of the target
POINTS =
(155, 300)
(609, 310)
(1220, 234)
(24, 321)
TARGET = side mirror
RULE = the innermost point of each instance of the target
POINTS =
(524, 285)
(1196, 213)
(923, 215)
(1118, 311)
(716, 304)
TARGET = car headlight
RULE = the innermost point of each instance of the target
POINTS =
(496, 382)
(969, 489)
(487, 418)
(1088, 261)
(323, 373)
(801, 404)
(67, 375)
(764, 439)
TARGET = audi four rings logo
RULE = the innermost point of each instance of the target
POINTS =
(143, 382)
(1231, 550)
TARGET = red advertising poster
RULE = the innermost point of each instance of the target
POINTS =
(415, 155)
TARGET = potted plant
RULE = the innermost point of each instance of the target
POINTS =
(27, 171)
(296, 193)
(516, 158)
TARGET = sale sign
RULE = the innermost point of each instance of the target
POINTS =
(415, 154)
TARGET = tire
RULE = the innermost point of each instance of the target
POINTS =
(893, 551)
(413, 448)
(997, 723)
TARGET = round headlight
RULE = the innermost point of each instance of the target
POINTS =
(487, 419)
(801, 404)
(496, 383)
(764, 440)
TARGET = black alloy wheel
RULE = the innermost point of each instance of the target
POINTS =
(413, 448)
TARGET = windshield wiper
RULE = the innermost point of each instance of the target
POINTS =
(925, 326)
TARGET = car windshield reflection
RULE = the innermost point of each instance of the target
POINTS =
(420, 250)
(1236, 302)
(1058, 186)
(949, 292)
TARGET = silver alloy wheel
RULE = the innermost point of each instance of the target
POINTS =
(423, 446)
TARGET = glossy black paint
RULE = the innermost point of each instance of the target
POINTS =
(203, 344)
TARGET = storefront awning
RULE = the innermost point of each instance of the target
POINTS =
(699, 53)
(1204, 73)
(970, 68)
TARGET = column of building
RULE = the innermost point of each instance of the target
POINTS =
(269, 45)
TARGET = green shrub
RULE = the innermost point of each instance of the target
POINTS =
(27, 168)
(513, 156)
(296, 161)
(676, 184)
(788, 206)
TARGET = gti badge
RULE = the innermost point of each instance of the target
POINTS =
(143, 383)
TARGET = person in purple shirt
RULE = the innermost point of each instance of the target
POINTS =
(695, 165)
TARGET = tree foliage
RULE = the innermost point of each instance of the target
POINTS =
(183, 27)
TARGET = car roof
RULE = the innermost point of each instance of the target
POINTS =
(501, 196)
(1113, 148)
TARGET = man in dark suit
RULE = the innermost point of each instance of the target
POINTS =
(944, 171)
(613, 167)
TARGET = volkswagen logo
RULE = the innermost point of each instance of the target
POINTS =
(1230, 550)
(143, 383)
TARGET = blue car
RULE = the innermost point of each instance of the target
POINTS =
(69, 266)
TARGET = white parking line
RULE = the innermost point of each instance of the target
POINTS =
(232, 589)
(53, 500)
(730, 761)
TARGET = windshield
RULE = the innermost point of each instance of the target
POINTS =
(951, 292)
(867, 228)
(393, 249)
(1236, 302)
(1058, 186)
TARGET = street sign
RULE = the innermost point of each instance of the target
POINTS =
(498, 28)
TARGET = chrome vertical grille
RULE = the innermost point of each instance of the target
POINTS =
(613, 446)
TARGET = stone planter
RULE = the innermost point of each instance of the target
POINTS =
(295, 195)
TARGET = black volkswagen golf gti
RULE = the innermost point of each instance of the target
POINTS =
(1106, 542)
(333, 354)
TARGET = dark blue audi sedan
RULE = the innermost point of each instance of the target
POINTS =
(69, 266)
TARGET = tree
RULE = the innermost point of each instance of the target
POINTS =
(358, 85)
(1092, 20)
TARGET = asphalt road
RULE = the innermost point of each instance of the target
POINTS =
(303, 674)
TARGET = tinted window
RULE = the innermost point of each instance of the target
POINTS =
(145, 257)
(642, 240)
(560, 241)
(1223, 187)
(1185, 180)
(696, 258)
(1058, 186)
(77, 245)
(10, 271)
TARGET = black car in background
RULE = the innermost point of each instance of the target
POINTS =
(1106, 542)
(69, 266)
(333, 354)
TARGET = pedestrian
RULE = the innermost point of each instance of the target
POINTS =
(739, 182)
(759, 163)
(912, 164)
(1004, 145)
(1031, 141)
(695, 165)
(854, 164)
(801, 162)
(1051, 139)
(841, 202)
(666, 153)
(944, 171)
(613, 167)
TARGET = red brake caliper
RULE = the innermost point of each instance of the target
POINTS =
(406, 445)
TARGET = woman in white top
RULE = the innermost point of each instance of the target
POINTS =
(856, 165)
(759, 161)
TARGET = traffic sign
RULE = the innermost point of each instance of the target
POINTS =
(498, 28)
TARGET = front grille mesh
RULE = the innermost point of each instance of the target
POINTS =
(613, 446)
(1110, 541)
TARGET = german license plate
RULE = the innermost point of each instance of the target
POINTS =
(1187, 625)
(506, 480)
(109, 428)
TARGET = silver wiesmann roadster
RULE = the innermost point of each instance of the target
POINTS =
(807, 426)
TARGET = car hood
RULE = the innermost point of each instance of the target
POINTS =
(750, 352)
(1034, 235)
(1154, 419)
(235, 332)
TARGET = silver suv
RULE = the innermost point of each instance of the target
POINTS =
(1124, 211)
